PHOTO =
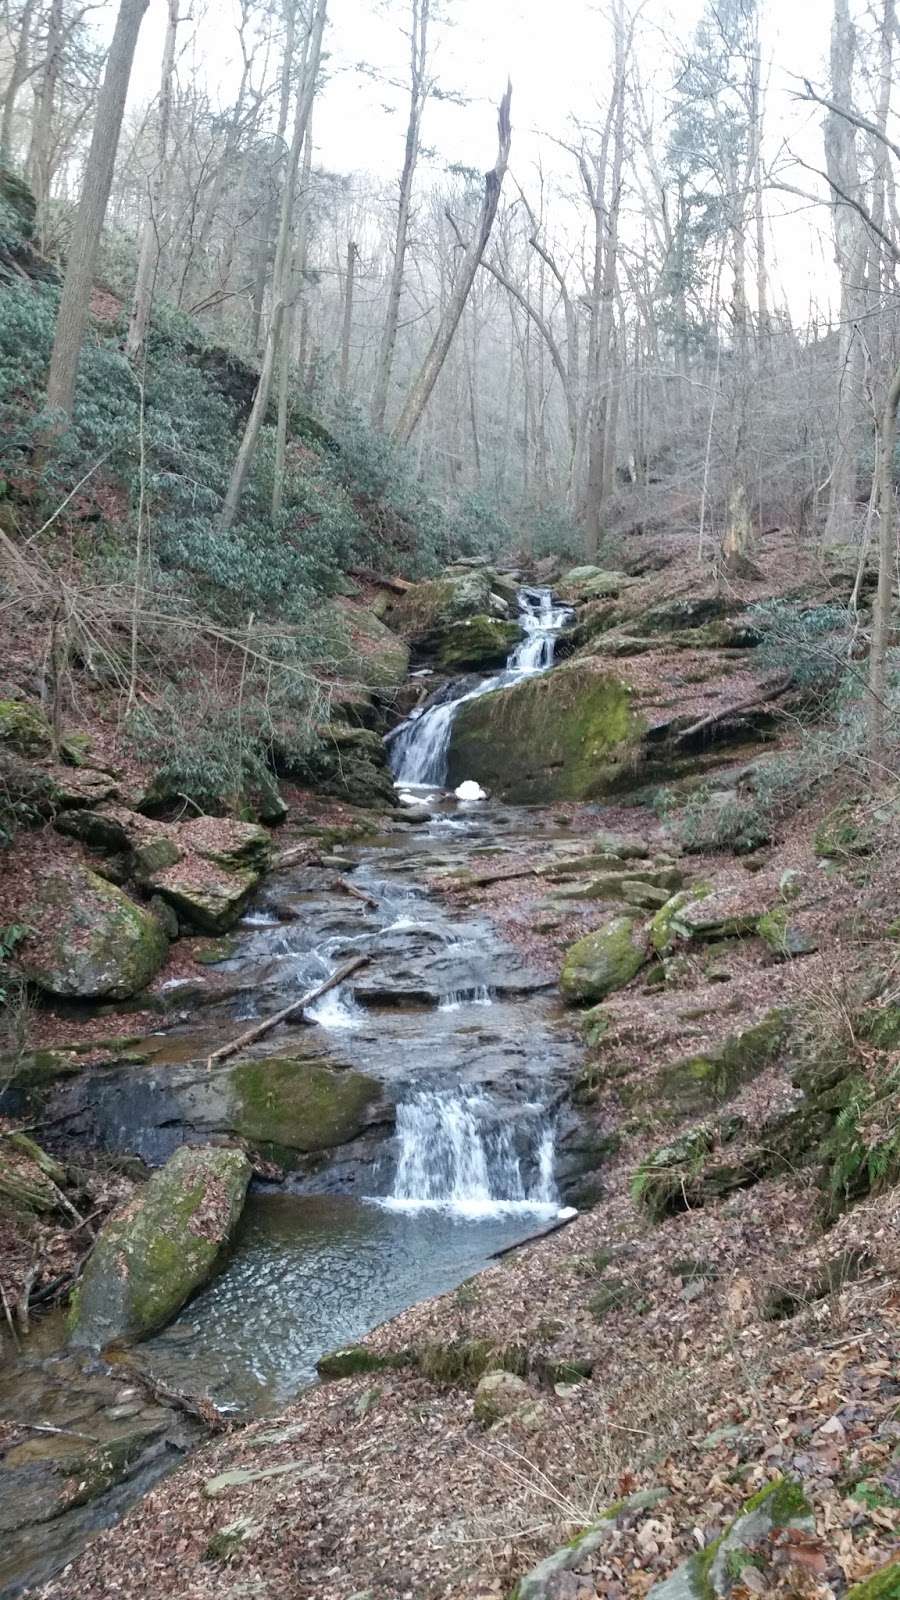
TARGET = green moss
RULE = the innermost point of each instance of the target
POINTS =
(664, 929)
(285, 1106)
(355, 1358)
(881, 1027)
(784, 1500)
(24, 728)
(475, 643)
(95, 940)
(568, 734)
(465, 1361)
(883, 1585)
(99, 1470)
(840, 836)
(699, 1082)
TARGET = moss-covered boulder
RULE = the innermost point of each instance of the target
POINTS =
(204, 895)
(87, 939)
(153, 1254)
(286, 1108)
(784, 937)
(426, 608)
(684, 1175)
(547, 1580)
(475, 644)
(347, 762)
(700, 916)
(882, 1585)
(563, 735)
(603, 961)
(581, 584)
(24, 728)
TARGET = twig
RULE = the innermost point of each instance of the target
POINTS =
(8, 1314)
(262, 1028)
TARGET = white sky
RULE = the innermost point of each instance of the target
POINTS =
(556, 53)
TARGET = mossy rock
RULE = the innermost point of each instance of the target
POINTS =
(882, 1585)
(581, 584)
(465, 1361)
(880, 1026)
(785, 940)
(24, 728)
(356, 1358)
(206, 896)
(602, 962)
(88, 939)
(701, 1081)
(428, 607)
(31, 1182)
(594, 1026)
(499, 1394)
(750, 1541)
(347, 762)
(287, 1107)
(684, 1175)
(154, 1253)
(564, 735)
(671, 616)
(474, 644)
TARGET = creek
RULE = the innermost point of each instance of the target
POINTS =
(459, 1159)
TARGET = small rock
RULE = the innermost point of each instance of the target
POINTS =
(498, 1395)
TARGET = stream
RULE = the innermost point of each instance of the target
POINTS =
(460, 1160)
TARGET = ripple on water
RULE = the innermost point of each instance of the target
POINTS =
(310, 1273)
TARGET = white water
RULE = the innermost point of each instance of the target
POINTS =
(453, 1155)
(478, 995)
(419, 747)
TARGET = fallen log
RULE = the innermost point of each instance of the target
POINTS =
(358, 894)
(262, 1028)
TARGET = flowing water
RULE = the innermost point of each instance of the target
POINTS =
(419, 747)
(464, 1041)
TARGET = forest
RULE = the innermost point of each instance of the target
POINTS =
(449, 780)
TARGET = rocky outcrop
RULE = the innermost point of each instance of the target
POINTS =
(287, 1108)
(88, 940)
(603, 961)
(459, 621)
(564, 735)
(378, 658)
(349, 763)
(753, 1542)
(152, 1255)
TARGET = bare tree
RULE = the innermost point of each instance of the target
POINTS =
(420, 393)
(419, 88)
(76, 291)
(150, 242)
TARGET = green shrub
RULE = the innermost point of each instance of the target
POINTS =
(809, 643)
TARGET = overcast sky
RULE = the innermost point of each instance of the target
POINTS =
(556, 53)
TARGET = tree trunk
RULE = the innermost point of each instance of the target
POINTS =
(98, 173)
(17, 77)
(422, 388)
(39, 164)
(268, 221)
(418, 94)
(347, 325)
(281, 276)
(150, 245)
(887, 552)
(289, 334)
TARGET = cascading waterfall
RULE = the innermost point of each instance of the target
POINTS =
(419, 747)
(454, 1155)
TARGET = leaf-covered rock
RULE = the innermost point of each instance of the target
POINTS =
(88, 939)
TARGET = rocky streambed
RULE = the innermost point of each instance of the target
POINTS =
(417, 1123)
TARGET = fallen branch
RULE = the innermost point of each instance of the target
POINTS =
(297, 852)
(47, 1427)
(198, 1406)
(358, 894)
(759, 700)
(262, 1028)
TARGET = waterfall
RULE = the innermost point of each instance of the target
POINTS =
(454, 1155)
(418, 748)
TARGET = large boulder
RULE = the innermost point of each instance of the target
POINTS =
(563, 735)
(582, 584)
(286, 1108)
(87, 939)
(155, 1252)
(349, 763)
(378, 658)
(603, 961)
(204, 894)
(474, 644)
(426, 608)
(24, 728)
